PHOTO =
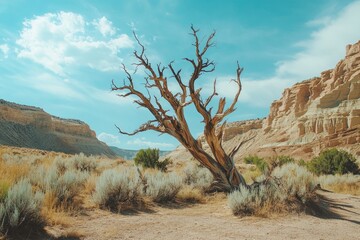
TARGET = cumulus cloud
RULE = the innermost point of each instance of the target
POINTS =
(65, 39)
(321, 51)
(104, 26)
(326, 45)
(142, 142)
(4, 51)
(109, 139)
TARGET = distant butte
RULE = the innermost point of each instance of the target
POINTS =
(32, 127)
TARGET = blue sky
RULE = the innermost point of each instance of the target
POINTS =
(61, 55)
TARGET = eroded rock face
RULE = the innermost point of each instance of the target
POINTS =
(32, 127)
(310, 116)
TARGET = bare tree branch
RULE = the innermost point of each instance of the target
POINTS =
(219, 163)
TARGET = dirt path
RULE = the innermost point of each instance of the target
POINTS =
(214, 220)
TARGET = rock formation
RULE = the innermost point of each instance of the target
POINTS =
(32, 127)
(312, 115)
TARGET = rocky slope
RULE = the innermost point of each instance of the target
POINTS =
(32, 127)
(312, 115)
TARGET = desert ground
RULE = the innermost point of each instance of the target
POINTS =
(214, 220)
(336, 217)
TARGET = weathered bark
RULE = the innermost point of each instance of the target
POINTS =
(220, 163)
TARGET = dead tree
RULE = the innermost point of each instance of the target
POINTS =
(172, 121)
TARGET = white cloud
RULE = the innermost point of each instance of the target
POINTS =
(109, 139)
(55, 86)
(142, 142)
(326, 46)
(65, 39)
(4, 49)
(321, 51)
(104, 26)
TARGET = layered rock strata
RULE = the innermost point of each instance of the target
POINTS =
(312, 115)
(32, 127)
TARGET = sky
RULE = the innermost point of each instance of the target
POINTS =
(62, 55)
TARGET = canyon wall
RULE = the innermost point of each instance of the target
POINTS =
(319, 113)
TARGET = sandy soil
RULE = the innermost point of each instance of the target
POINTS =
(214, 220)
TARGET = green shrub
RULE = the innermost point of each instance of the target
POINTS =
(260, 163)
(20, 210)
(282, 160)
(162, 187)
(333, 161)
(115, 187)
(149, 158)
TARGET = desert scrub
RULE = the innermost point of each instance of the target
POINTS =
(288, 188)
(265, 165)
(117, 187)
(4, 188)
(162, 187)
(13, 171)
(333, 161)
(62, 188)
(347, 183)
(197, 177)
(20, 210)
(260, 163)
(83, 163)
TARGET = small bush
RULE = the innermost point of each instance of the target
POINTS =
(289, 188)
(198, 177)
(260, 163)
(333, 161)
(20, 210)
(296, 181)
(149, 158)
(162, 187)
(62, 187)
(246, 201)
(83, 163)
(116, 187)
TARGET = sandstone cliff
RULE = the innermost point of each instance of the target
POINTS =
(312, 115)
(26, 126)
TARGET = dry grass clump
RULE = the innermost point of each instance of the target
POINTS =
(347, 183)
(117, 188)
(12, 171)
(20, 209)
(190, 194)
(162, 187)
(289, 188)
(251, 174)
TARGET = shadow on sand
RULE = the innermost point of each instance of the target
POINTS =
(327, 208)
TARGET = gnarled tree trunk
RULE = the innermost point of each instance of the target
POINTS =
(220, 163)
